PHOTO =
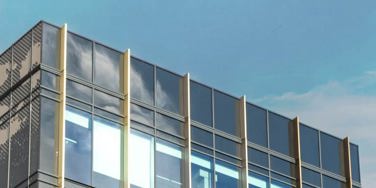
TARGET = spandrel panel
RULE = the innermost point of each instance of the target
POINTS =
(4, 146)
(201, 136)
(168, 91)
(107, 102)
(142, 81)
(309, 145)
(311, 177)
(79, 57)
(50, 46)
(281, 134)
(201, 104)
(142, 115)
(329, 182)
(21, 58)
(355, 169)
(257, 181)
(5, 71)
(332, 154)
(227, 146)
(258, 157)
(169, 125)
(79, 91)
(256, 125)
(107, 68)
(226, 113)
(282, 166)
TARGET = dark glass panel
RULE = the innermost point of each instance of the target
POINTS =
(79, 91)
(4, 146)
(227, 158)
(201, 104)
(309, 145)
(168, 91)
(258, 157)
(257, 181)
(226, 110)
(277, 184)
(107, 69)
(282, 166)
(202, 149)
(255, 168)
(78, 104)
(226, 175)
(107, 102)
(50, 80)
(201, 136)
(283, 178)
(169, 125)
(142, 81)
(202, 170)
(281, 134)
(307, 186)
(50, 46)
(142, 115)
(311, 177)
(332, 154)
(169, 165)
(329, 182)
(256, 125)
(355, 169)
(227, 146)
(79, 57)
(78, 145)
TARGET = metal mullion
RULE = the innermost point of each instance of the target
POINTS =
(10, 115)
(298, 159)
(244, 139)
(30, 106)
(214, 150)
(347, 159)
(268, 145)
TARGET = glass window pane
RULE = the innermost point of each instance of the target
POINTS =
(50, 45)
(78, 146)
(282, 166)
(107, 102)
(309, 145)
(4, 146)
(226, 110)
(142, 115)
(281, 134)
(201, 104)
(227, 146)
(355, 162)
(79, 91)
(202, 170)
(258, 157)
(277, 184)
(142, 81)
(107, 152)
(311, 177)
(107, 69)
(141, 160)
(79, 57)
(226, 175)
(201, 136)
(332, 154)
(169, 165)
(257, 181)
(256, 125)
(169, 125)
(329, 182)
(50, 80)
(168, 91)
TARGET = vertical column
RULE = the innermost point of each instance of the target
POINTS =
(127, 120)
(61, 125)
(298, 159)
(244, 145)
(346, 145)
(187, 130)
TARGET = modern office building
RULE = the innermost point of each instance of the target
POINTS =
(75, 113)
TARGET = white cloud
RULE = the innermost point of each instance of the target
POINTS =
(343, 108)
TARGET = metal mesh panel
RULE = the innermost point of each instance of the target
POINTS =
(35, 135)
(5, 70)
(21, 58)
(20, 95)
(37, 45)
(4, 145)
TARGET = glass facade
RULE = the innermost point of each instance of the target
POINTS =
(96, 128)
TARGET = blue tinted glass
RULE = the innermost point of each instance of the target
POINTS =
(332, 183)
(201, 104)
(257, 181)
(107, 102)
(78, 145)
(201, 136)
(169, 125)
(50, 45)
(256, 125)
(79, 91)
(226, 175)
(202, 170)
(79, 57)
(168, 93)
(332, 154)
(311, 177)
(281, 134)
(355, 162)
(277, 184)
(142, 81)
(309, 145)
(142, 115)
(226, 110)
(282, 166)
(258, 157)
(227, 146)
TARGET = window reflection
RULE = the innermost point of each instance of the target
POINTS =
(281, 134)
(79, 91)
(257, 181)
(202, 170)
(169, 125)
(332, 154)
(107, 102)
(168, 91)
(355, 169)
(226, 113)
(256, 125)
(226, 175)
(309, 145)
(50, 45)
(277, 184)
(79, 57)
(142, 81)
(201, 103)
(142, 115)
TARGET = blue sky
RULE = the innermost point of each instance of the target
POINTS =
(314, 59)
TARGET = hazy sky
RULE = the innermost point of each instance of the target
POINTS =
(315, 59)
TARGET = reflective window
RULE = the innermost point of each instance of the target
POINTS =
(226, 110)
(50, 45)
(4, 146)
(227, 146)
(107, 69)
(142, 115)
(169, 125)
(226, 175)
(79, 57)
(79, 91)
(141, 160)
(332, 183)
(78, 146)
(169, 165)
(355, 162)
(311, 177)
(332, 154)
(107, 102)
(282, 166)
(258, 157)
(257, 181)
(50, 80)
(201, 104)
(202, 170)
(201, 136)
(168, 91)
(107, 152)
(281, 134)
(309, 145)
(277, 184)
(256, 125)
(142, 81)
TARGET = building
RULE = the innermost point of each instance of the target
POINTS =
(76, 113)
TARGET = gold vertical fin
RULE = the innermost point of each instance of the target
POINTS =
(348, 173)
(126, 111)
(187, 130)
(244, 140)
(298, 158)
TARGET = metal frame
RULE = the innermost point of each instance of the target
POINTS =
(187, 132)
(298, 158)
(126, 111)
(347, 153)
(244, 140)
